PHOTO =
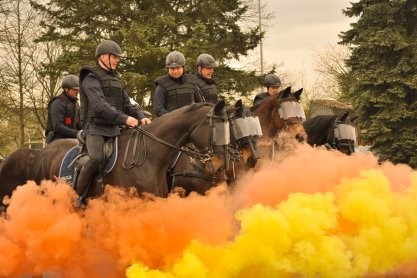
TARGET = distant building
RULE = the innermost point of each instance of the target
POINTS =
(328, 107)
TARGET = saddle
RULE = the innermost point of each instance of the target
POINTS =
(77, 156)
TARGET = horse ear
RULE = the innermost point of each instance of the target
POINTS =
(352, 119)
(343, 117)
(219, 106)
(286, 93)
(238, 103)
(298, 93)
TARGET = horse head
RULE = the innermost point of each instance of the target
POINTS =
(211, 135)
(245, 129)
(343, 135)
(282, 112)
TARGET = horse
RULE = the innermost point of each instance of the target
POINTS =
(281, 112)
(333, 131)
(147, 150)
(15, 170)
(281, 117)
(188, 174)
(277, 113)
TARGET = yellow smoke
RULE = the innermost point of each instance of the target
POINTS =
(361, 227)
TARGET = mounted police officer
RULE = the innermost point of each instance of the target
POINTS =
(175, 89)
(63, 112)
(105, 105)
(205, 82)
(272, 83)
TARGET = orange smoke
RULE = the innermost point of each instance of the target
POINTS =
(316, 212)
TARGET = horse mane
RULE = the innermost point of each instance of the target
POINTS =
(320, 122)
(287, 94)
(196, 106)
(185, 109)
(265, 102)
(317, 128)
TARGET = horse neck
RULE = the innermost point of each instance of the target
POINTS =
(264, 113)
(320, 133)
(174, 132)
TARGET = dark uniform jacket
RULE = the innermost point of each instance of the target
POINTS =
(207, 88)
(260, 97)
(63, 118)
(105, 104)
(173, 93)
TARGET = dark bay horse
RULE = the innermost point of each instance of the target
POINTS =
(333, 131)
(15, 170)
(189, 174)
(158, 141)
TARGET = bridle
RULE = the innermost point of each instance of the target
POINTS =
(341, 135)
(136, 139)
(245, 131)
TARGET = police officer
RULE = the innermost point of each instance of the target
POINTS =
(205, 82)
(63, 112)
(272, 83)
(105, 105)
(175, 89)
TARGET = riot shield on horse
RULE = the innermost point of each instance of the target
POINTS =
(204, 125)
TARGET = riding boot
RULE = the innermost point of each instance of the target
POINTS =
(85, 178)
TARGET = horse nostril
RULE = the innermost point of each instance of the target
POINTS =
(251, 162)
(299, 138)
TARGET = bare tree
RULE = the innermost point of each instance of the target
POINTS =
(27, 84)
(330, 65)
(17, 33)
(45, 83)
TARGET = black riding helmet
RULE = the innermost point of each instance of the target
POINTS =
(206, 60)
(272, 80)
(70, 82)
(108, 47)
(175, 59)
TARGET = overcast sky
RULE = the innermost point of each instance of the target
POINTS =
(298, 28)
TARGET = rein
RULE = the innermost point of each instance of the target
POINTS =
(137, 135)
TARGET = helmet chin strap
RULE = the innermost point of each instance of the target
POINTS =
(108, 67)
(110, 63)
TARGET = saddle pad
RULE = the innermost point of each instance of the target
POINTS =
(66, 171)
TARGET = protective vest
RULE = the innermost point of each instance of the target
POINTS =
(71, 115)
(209, 90)
(179, 94)
(112, 88)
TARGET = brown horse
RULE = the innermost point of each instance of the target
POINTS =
(189, 174)
(282, 112)
(159, 143)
